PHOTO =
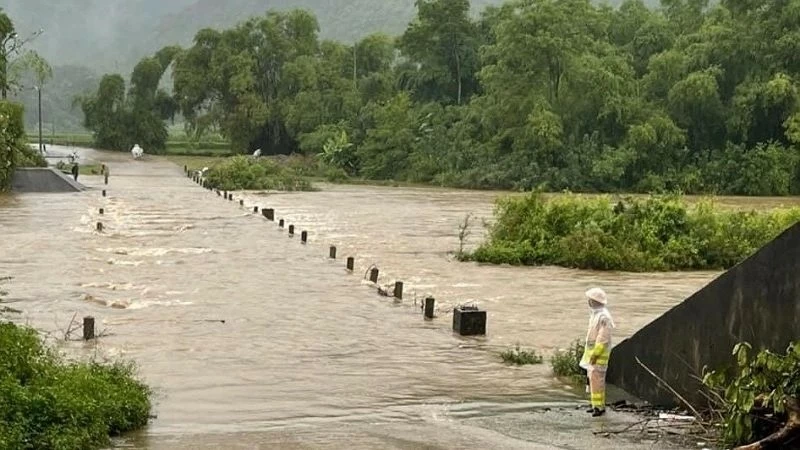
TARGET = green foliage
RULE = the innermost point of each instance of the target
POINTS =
(657, 233)
(120, 120)
(49, 403)
(764, 382)
(242, 172)
(566, 363)
(14, 151)
(520, 357)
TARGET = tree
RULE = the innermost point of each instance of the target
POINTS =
(441, 45)
(11, 49)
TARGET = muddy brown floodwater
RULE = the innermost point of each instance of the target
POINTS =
(308, 355)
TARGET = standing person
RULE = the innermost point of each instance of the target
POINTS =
(598, 348)
(75, 170)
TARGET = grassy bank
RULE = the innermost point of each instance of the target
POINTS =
(246, 173)
(656, 233)
(177, 145)
(50, 403)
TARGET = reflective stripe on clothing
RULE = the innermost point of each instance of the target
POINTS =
(597, 388)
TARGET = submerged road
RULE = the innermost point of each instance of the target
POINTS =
(308, 356)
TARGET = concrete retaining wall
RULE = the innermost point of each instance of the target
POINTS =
(757, 301)
(42, 179)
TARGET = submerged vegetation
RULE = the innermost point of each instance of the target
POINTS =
(521, 357)
(656, 233)
(566, 363)
(243, 172)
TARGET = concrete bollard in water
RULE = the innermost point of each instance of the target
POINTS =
(469, 321)
(430, 304)
(291, 230)
(102, 211)
(88, 328)
(104, 192)
(230, 197)
(264, 212)
(351, 263)
(226, 195)
(332, 253)
(241, 202)
(185, 168)
(373, 274)
(270, 214)
(255, 209)
(304, 237)
(106, 177)
(100, 227)
(280, 223)
(398, 290)
(218, 193)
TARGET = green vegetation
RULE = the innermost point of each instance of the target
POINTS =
(14, 152)
(760, 396)
(521, 357)
(566, 363)
(656, 233)
(49, 403)
(243, 172)
(630, 99)
(119, 119)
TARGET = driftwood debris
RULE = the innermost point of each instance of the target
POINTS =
(786, 437)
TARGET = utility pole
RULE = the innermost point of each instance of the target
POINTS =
(41, 148)
(355, 66)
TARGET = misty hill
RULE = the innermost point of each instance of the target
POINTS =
(111, 35)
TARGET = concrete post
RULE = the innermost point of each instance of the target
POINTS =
(332, 253)
(373, 275)
(102, 211)
(291, 230)
(255, 209)
(281, 223)
(88, 328)
(100, 227)
(398, 290)
(351, 263)
(104, 192)
(430, 304)
(270, 214)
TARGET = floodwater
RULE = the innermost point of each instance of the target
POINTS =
(254, 340)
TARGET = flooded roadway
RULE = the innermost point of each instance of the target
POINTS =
(309, 356)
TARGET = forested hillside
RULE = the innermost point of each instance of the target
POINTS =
(561, 94)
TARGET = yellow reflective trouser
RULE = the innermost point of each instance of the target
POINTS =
(597, 387)
(597, 374)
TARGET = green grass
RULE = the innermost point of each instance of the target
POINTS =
(83, 169)
(50, 403)
(520, 357)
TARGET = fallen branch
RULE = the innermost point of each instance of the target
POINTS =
(783, 438)
(674, 392)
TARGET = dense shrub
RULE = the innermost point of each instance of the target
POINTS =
(656, 233)
(566, 363)
(243, 172)
(753, 397)
(49, 403)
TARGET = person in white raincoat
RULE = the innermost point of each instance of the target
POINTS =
(598, 348)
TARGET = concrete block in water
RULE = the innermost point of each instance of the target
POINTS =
(291, 230)
(304, 237)
(757, 301)
(373, 274)
(398, 290)
(332, 252)
(469, 321)
(281, 223)
(255, 209)
(430, 305)
(270, 214)
(351, 263)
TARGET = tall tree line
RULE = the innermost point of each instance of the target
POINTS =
(560, 94)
